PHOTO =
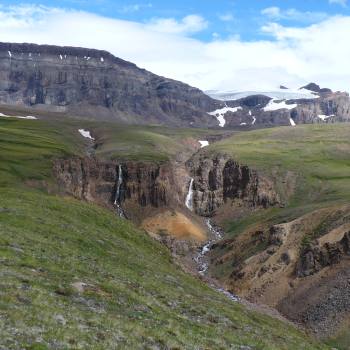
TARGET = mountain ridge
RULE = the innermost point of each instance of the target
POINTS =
(89, 82)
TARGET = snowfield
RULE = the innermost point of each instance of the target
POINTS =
(278, 94)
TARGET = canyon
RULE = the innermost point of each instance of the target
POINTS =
(183, 203)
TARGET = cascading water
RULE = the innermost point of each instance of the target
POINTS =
(189, 197)
(119, 183)
(201, 260)
(117, 193)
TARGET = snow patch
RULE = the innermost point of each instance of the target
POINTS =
(86, 133)
(325, 117)
(275, 106)
(204, 143)
(18, 117)
(102, 59)
(220, 114)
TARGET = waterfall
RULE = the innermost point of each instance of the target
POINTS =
(189, 197)
(117, 193)
(119, 183)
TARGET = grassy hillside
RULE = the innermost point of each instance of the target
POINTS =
(153, 143)
(315, 156)
(74, 276)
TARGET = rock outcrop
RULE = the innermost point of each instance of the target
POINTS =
(315, 257)
(95, 84)
(221, 180)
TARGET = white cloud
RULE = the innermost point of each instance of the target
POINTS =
(275, 13)
(135, 7)
(226, 17)
(189, 24)
(339, 2)
(292, 57)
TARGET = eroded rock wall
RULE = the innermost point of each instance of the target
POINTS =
(143, 184)
(220, 180)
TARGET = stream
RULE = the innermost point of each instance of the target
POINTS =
(201, 258)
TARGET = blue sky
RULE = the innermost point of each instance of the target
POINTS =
(210, 44)
(224, 17)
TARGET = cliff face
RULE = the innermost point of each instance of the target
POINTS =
(133, 185)
(222, 180)
(95, 84)
(335, 106)
(137, 185)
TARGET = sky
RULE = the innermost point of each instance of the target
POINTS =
(228, 45)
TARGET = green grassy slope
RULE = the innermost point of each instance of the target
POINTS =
(317, 156)
(134, 297)
(152, 143)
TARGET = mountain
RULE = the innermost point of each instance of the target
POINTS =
(307, 105)
(94, 84)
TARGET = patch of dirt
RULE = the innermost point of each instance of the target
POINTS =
(176, 225)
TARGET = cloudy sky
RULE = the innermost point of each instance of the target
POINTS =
(211, 44)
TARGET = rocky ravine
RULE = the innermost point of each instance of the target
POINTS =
(154, 196)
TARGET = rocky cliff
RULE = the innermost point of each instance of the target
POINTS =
(137, 185)
(95, 84)
(222, 180)
(133, 185)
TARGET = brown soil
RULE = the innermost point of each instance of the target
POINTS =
(176, 225)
